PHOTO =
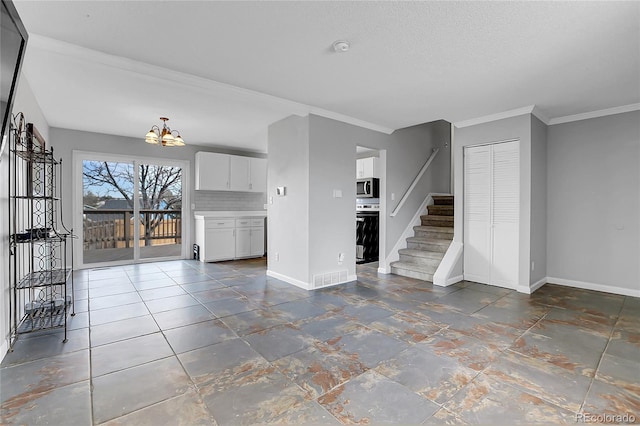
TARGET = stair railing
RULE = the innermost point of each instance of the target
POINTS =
(415, 182)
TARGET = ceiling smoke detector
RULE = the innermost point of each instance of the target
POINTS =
(341, 46)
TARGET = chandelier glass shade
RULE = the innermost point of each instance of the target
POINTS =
(164, 136)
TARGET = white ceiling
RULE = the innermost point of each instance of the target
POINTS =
(223, 71)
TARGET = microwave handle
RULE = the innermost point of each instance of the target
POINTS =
(367, 187)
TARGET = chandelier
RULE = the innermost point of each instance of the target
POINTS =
(165, 135)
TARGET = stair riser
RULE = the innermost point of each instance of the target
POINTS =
(427, 247)
(446, 201)
(440, 210)
(422, 261)
(433, 235)
(412, 274)
(437, 221)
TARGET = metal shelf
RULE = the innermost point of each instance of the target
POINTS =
(43, 319)
(45, 157)
(44, 278)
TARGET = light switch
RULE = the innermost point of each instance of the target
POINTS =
(270, 200)
(281, 191)
(337, 193)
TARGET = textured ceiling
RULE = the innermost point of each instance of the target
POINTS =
(409, 62)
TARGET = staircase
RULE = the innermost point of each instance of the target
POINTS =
(431, 240)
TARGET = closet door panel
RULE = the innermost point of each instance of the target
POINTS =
(505, 204)
(477, 214)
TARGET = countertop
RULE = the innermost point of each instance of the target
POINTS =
(233, 214)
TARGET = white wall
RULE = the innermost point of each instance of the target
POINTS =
(26, 103)
(538, 270)
(497, 131)
(288, 216)
(593, 232)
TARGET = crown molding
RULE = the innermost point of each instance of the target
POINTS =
(595, 114)
(494, 117)
(219, 89)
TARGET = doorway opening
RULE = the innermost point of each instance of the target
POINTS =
(370, 205)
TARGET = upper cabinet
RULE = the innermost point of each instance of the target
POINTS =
(367, 168)
(212, 171)
(223, 172)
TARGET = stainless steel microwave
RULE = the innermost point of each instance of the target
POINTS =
(367, 188)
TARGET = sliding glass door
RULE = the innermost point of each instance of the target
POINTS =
(160, 193)
(131, 210)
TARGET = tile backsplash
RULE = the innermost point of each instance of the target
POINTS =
(229, 201)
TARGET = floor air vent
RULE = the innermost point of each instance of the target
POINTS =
(330, 278)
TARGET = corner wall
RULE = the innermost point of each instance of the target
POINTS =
(593, 233)
(288, 215)
(331, 163)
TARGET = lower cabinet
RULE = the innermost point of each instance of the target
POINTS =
(249, 237)
(228, 238)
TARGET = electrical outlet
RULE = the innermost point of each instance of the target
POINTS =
(533, 266)
(393, 196)
(277, 257)
(340, 258)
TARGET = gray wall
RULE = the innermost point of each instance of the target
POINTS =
(593, 233)
(331, 161)
(26, 103)
(538, 200)
(288, 216)
(497, 131)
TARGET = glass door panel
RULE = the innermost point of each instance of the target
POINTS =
(160, 214)
(107, 211)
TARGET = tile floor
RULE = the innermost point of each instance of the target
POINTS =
(187, 343)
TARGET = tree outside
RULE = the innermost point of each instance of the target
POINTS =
(160, 191)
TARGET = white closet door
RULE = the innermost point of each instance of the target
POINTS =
(505, 206)
(491, 213)
(477, 214)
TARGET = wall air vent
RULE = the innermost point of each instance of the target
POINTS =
(329, 279)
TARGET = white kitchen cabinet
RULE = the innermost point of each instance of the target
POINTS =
(367, 168)
(229, 238)
(257, 238)
(223, 172)
(239, 172)
(212, 171)
(258, 175)
(249, 237)
(216, 238)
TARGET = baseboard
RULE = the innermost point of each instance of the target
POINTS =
(533, 287)
(594, 286)
(453, 280)
(287, 279)
(384, 270)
